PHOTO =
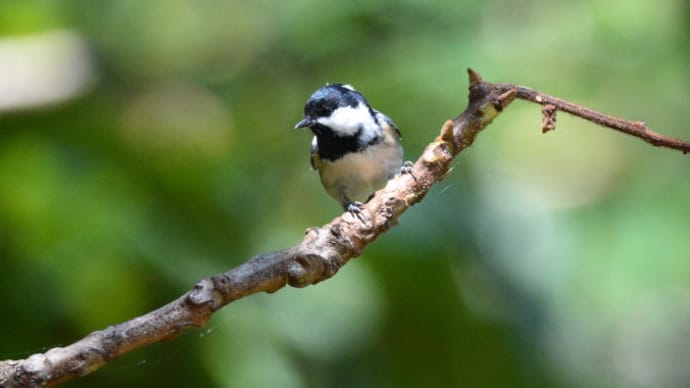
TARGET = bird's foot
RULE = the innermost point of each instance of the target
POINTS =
(355, 208)
(407, 168)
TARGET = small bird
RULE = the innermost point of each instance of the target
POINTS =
(356, 149)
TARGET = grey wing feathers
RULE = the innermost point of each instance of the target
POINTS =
(387, 120)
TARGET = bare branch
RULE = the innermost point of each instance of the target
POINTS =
(318, 257)
(553, 104)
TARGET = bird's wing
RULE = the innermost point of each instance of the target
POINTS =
(385, 120)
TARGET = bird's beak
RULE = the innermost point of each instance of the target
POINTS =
(305, 122)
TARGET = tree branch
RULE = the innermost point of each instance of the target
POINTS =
(320, 254)
(553, 104)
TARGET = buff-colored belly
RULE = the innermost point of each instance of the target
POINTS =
(355, 176)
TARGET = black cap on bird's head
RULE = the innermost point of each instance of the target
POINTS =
(326, 100)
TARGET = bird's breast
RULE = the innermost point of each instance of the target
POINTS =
(357, 175)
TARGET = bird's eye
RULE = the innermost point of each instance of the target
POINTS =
(325, 110)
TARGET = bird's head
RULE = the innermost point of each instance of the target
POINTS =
(338, 110)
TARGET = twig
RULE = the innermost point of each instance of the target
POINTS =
(553, 104)
(318, 257)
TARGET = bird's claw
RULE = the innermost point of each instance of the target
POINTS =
(355, 208)
(407, 168)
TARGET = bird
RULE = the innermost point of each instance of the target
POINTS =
(356, 149)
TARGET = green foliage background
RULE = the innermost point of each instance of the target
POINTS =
(556, 260)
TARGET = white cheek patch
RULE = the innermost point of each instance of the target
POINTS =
(348, 86)
(347, 121)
